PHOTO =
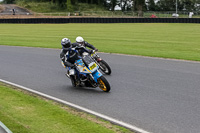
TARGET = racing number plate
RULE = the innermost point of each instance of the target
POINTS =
(93, 66)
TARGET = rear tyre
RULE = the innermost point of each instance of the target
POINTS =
(103, 84)
(105, 67)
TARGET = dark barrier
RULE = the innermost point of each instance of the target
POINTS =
(101, 20)
(35, 20)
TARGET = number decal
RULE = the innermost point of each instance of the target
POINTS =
(93, 66)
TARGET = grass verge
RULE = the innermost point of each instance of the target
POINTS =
(23, 112)
(178, 41)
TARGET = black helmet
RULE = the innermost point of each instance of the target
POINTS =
(65, 42)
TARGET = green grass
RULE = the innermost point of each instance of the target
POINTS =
(22, 112)
(179, 41)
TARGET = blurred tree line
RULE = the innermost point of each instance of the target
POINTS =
(127, 5)
(170, 5)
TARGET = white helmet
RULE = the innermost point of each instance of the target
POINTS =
(79, 39)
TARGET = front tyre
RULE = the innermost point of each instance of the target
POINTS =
(73, 80)
(105, 67)
(103, 84)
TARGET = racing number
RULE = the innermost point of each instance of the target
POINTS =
(93, 66)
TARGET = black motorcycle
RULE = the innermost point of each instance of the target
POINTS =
(103, 66)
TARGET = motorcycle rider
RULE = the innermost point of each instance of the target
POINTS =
(66, 49)
(80, 41)
(69, 54)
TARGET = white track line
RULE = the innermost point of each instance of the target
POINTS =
(5, 129)
(126, 125)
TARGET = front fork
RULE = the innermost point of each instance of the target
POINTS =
(97, 59)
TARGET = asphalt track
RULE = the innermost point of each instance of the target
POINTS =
(157, 95)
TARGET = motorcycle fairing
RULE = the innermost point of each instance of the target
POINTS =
(96, 75)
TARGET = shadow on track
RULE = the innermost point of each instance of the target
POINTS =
(85, 89)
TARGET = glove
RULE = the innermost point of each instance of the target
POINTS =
(96, 49)
(92, 51)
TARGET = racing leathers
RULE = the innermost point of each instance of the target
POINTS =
(86, 44)
(70, 55)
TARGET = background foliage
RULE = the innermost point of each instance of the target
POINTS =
(125, 5)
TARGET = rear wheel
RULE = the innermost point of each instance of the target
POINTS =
(103, 84)
(105, 67)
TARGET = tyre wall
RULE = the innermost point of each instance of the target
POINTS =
(101, 20)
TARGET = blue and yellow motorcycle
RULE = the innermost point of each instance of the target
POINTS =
(86, 73)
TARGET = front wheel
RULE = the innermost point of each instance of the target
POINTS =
(103, 84)
(73, 80)
(105, 67)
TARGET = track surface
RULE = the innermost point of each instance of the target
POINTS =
(157, 95)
